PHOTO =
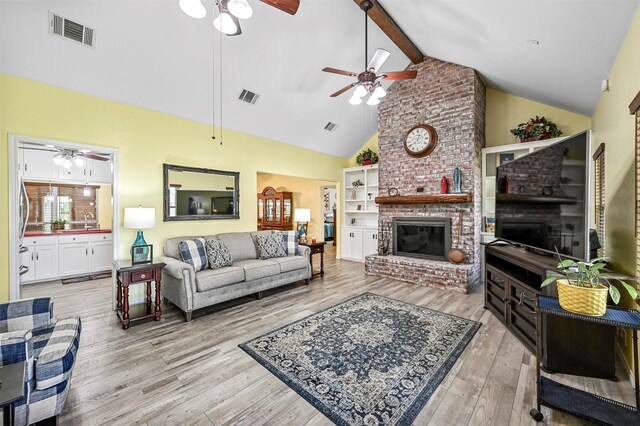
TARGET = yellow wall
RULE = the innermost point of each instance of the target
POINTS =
(505, 112)
(307, 193)
(371, 143)
(145, 140)
(105, 207)
(613, 125)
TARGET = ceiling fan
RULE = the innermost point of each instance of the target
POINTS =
(368, 81)
(66, 156)
(231, 11)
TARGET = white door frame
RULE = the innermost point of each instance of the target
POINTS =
(14, 201)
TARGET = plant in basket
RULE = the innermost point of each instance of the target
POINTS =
(583, 288)
(58, 225)
(367, 157)
(536, 129)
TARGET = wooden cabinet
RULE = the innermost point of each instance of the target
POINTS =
(275, 210)
(511, 284)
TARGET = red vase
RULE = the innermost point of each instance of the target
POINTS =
(444, 185)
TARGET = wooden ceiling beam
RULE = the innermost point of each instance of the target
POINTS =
(386, 23)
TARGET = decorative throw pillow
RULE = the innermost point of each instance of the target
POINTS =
(193, 253)
(218, 254)
(270, 245)
(290, 239)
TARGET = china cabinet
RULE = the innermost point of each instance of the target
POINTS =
(275, 210)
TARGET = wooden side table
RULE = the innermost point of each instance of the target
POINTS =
(316, 248)
(127, 274)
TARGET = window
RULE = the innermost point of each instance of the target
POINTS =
(598, 159)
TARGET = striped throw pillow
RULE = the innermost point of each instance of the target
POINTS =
(290, 242)
(193, 252)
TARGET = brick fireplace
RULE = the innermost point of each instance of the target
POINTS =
(451, 98)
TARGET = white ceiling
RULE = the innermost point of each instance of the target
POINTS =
(149, 54)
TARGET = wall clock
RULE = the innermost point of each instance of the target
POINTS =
(420, 140)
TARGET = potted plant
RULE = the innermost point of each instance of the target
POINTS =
(536, 129)
(367, 157)
(584, 288)
(58, 225)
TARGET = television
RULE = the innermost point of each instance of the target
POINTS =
(542, 198)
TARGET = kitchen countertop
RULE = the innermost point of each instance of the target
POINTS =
(66, 232)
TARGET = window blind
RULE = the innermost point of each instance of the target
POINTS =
(598, 159)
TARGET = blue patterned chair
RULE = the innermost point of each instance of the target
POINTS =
(28, 333)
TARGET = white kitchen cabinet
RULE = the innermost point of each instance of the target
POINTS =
(37, 164)
(101, 251)
(42, 259)
(352, 243)
(73, 173)
(370, 237)
(98, 171)
(74, 254)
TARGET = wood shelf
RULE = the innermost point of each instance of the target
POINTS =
(425, 199)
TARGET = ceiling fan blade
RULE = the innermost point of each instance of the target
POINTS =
(399, 75)
(344, 89)
(341, 72)
(378, 59)
(95, 157)
(237, 22)
(287, 6)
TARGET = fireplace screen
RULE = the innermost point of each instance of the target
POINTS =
(424, 237)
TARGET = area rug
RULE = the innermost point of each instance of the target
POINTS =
(367, 361)
(86, 278)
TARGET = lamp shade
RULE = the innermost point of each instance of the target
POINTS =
(302, 215)
(139, 217)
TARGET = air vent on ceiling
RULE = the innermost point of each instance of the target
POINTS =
(71, 30)
(248, 97)
(330, 127)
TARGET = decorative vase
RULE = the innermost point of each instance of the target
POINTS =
(582, 300)
(444, 185)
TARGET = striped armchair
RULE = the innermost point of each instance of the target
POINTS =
(28, 333)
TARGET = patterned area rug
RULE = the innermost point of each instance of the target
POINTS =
(367, 361)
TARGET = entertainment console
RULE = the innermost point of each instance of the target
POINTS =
(512, 282)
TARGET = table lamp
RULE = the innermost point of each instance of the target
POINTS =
(302, 216)
(140, 218)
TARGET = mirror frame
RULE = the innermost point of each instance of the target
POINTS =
(236, 194)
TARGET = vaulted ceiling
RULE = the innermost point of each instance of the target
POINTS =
(148, 53)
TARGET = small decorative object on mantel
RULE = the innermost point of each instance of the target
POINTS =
(536, 129)
(357, 183)
(457, 181)
(586, 291)
(444, 185)
(367, 157)
(392, 192)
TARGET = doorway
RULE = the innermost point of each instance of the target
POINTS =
(63, 198)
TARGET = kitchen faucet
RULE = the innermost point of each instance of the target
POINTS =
(86, 218)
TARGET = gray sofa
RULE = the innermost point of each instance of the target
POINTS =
(190, 290)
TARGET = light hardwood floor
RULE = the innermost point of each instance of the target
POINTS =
(177, 373)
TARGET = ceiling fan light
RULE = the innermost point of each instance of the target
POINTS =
(360, 92)
(58, 159)
(224, 23)
(240, 9)
(66, 163)
(379, 92)
(193, 8)
(78, 161)
(373, 100)
(355, 100)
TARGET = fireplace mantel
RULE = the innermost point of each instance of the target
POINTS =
(426, 199)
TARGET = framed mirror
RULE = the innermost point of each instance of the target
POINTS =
(192, 193)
